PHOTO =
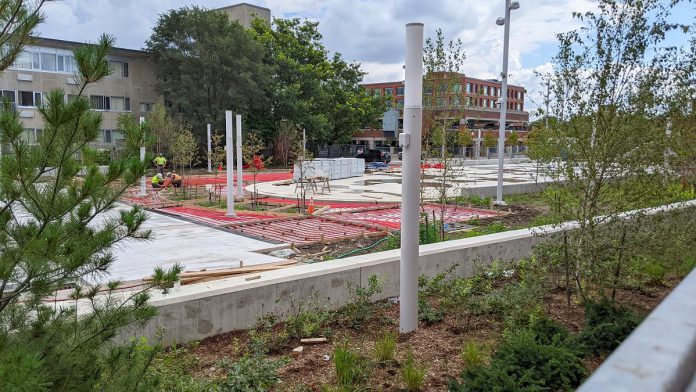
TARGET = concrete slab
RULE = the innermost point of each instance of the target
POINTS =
(177, 241)
(386, 187)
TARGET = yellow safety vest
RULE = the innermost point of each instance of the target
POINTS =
(155, 180)
(160, 161)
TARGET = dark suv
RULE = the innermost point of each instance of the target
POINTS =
(375, 156)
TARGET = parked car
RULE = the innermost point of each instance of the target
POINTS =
(375, 156)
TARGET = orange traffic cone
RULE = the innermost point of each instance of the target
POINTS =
(310, 209)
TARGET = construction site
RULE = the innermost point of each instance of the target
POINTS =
(281, 220)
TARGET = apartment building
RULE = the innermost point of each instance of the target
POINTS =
(472, 100)
(49, 64)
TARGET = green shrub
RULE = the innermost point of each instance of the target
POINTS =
(263, 339)
(428, 314)
(308, 324)
(686, 266)
(522, 363)
(473, 354)
(607, 324)
(361, 309)
(251, 373)
(653, 272)
(413, 374)
(169, 372)
(351, 369)
(385, 347)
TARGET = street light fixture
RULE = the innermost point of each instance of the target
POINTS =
(504, 21)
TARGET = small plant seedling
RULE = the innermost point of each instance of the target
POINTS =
(413, 374)
(385, 347)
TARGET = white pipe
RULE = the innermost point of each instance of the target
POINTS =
(210, 152)
(503, 107)
(143, 181)
(410, 183)
(229, 163)
(240, 184)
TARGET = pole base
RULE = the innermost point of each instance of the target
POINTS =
(231, 214)
(500, 203)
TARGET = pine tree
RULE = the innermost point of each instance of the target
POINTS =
(58, 223)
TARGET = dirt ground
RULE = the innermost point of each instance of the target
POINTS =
(437, 347)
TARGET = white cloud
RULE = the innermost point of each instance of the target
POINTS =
(368, 31)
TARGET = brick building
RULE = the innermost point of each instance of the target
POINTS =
(473, 101)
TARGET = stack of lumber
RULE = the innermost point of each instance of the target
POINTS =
(201, 276)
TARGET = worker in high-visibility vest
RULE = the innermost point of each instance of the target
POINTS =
(173, 179)
(160, 161)
(157, 181)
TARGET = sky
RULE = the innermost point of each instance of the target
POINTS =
(371, 32)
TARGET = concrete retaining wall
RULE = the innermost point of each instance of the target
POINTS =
(198, 311)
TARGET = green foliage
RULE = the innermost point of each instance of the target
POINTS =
(473, 354)
(251, 373)
(351, 369)
(607, 324)
(194, 51)
(169, 372)
(309, 86)
(361, 309)
(264, 339)
(428, 314)
(385, 347)
(524, 362)
(413, 374)
(66, 234)
(309, 324)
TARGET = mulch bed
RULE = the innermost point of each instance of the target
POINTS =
(437, 346)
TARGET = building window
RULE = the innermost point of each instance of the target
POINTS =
(389, 91)
(23, 61)
(72, 98)
(495, 91)
(376, 91)
(100, 102)
(48, 62)
(441, 102)
(457, 88)
(429, 90)
(127, 104)
(399, 103)
(29, 98)
(9, 95)
(119, 69)
(31, 136)
(487, 90)
(468, 88)
(443, 87)
(400, 90)
(107, 136)
(118, 104)
(145, 107)
(456, 102)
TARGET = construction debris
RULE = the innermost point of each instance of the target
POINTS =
(202, 276)
(313, 340)
(297, 351)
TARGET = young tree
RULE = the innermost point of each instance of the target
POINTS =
(253, 146)
(58, 223)
(184, 149)
(218, 153)
(608, 80)
(283, 142)
(163, 128)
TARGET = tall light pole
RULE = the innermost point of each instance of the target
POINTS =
(240, 184)
(210, 168)
(509, 5)
(410, 140)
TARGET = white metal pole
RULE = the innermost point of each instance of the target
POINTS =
(240, 184)
(503, 107)
(210, 152)
(410, 140)
(143, 181)
(229, 163)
